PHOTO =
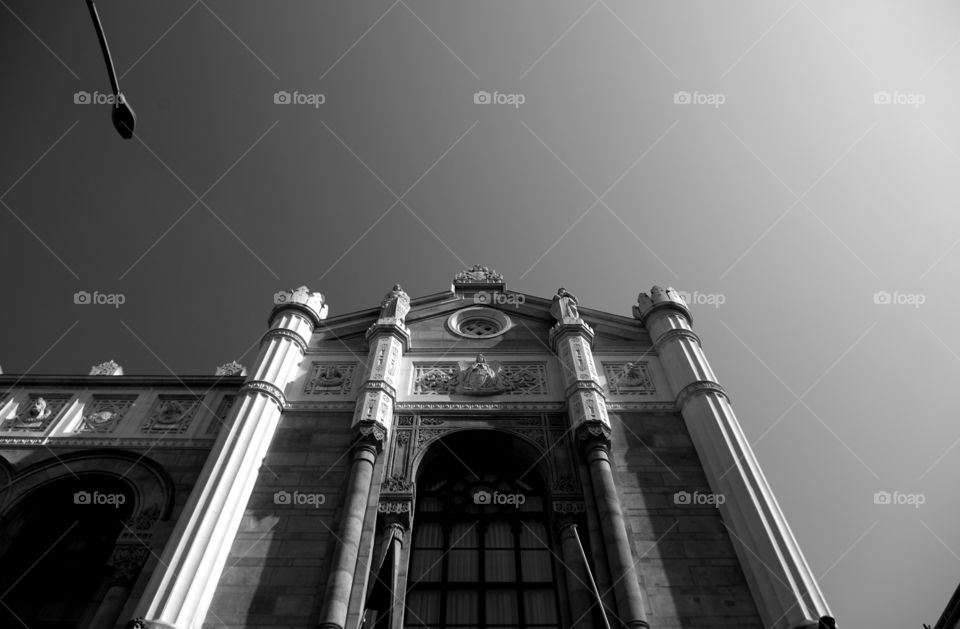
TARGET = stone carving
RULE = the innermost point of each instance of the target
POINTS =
(395, 305)
(564, 306)
(109, 368)
(329, 379)
(394, 506)
(171, 415)
(403, 437)
(568, 506)
(478, 274)
(127, 559)
(39, 412)
(405, 420)
(631, 378)
(431, 421)
(566, 484)
(396, 484)
(371, 431)
(137, 623)
(105, 413)
(480, 378)
(232, 368)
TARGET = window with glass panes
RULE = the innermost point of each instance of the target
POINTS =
(481, 555)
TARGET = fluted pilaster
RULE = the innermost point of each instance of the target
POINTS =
(784, 588)
(181, 589)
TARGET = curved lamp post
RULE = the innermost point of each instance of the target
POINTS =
(122, 115)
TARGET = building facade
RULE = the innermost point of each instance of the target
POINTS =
(469, 459)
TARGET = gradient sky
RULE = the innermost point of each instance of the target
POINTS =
(794, 201)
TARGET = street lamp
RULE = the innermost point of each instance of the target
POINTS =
(123, 117)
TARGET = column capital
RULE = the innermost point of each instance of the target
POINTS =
(594, 435)
(312, 304)
(396, 513)
(369, 434)
(660, 299)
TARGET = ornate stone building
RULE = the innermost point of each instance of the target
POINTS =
(469, 459)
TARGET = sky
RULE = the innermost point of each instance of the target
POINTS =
(792, 165)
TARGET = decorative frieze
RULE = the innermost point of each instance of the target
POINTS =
(480, 377)
(329, 378)
(38, 413)
(103, 414)
(171, 414)
(629, 378)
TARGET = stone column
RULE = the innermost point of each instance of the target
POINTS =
(785, 590)
(388, 339)
(572, 339)
(336, 602)
(180, 590)
(580, 592)
(126, 561)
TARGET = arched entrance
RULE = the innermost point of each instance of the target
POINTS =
(481, 542)
(54, 549)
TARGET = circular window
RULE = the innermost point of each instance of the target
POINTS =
(479, 327)
(478, 323)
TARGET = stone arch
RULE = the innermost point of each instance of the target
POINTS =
(149, 483)
(528, 448)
